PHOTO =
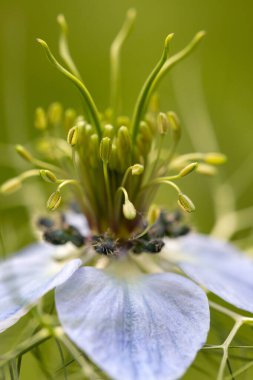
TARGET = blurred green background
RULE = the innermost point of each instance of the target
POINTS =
(210, 89)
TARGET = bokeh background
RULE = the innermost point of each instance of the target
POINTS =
(211, 90)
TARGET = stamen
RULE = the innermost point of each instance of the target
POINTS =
(11, 186)
(213, 158)
(55, 114)
(184, 172)
(108, 131)
(69, 118)
(14, 184)
(136, 169)
(163, 123)
(105, 153)
(128, 208)
(185, 203)
(54, 201)
(72, 136)
(40, 121)
(206, 169)
(188, 169)
(48, 176)
(27, 156)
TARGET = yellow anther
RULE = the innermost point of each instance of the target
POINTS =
(55, 113)
(137, 169)
(185, 203)
(105, 149)
(40, 121)
(24, 153)
(188, 169)
(72, 137)
(48, 176)
(215, 158)
(11, 186)
(163, 123)
(54, 201)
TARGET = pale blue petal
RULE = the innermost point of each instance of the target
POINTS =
(219, 267)
(149, 329)
(27, 276)
(78, 221)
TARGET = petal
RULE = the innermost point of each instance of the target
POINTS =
(78, 221)
(26, 277)
(218, 266)
(148, 329)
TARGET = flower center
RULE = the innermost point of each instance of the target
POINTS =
(114, 165)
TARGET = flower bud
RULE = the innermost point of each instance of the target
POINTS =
(40, 121)
(137, 169)
(122, 120)
(129, 210)
(55, 113)
(188, 169)
(72, 136)
(143, 145)
(11, 186)
(108, 131)
(54, 201)
(48, 176)
(23, 152)
(174, 124)
(145, 131)
(105, 149)
(163, 123)
(124, 139)
(114, 158)
(185, 203)
(215, 158)
(69, 118)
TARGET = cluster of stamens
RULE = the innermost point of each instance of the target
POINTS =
(113, 164)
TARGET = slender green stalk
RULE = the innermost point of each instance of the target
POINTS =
(174, 60)
(64, 46)
(115, 58)
(108, 190)
(25, 346)
(89, 102)
(80, 359)
(142, 99)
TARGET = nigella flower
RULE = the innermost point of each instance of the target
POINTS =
(127, 275)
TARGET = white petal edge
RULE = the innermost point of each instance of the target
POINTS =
(150, 329)
(218, 266)
(26, 277)
(78, 221)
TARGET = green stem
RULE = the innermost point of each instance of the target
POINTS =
(108, 190)
(64, 46)
(115, 57)
(83, 363)
(89, 102)
(25, 346)
(174, 60)
(142, 99)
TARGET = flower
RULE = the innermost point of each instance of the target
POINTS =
(114, 262)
